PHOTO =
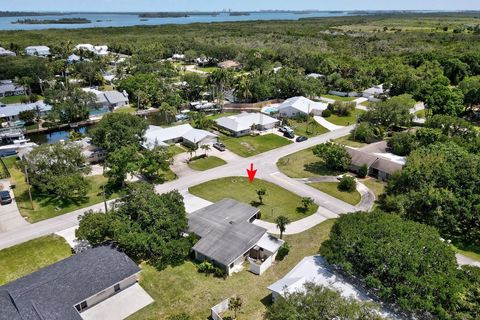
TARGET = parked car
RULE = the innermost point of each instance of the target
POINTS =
(5, 197)
(301, 139)
(219, 146)
(289, 134)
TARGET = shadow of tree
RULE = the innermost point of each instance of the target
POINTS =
(319, 168)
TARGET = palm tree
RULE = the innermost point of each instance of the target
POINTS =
(242, 88)
(168, 110)
(282, 223)
(206, 148)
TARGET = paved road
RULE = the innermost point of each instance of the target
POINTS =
(265, 163)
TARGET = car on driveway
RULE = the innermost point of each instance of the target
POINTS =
(5, 197)
(285, 129)
(219, 146)
(301, 139)
(289, 134)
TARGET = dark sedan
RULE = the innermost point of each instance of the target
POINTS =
(301, 139)
(5, 197)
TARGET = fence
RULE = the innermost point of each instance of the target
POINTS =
(218, 309)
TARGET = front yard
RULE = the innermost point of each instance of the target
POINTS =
(182, 289)
(349, 142)
(331, 189)
(304, 164)
(345, 121)
(276, 202)
(206, 163)
(28, 257)
(338, 98)
(45, 206)
(310, 129)
(248, 146)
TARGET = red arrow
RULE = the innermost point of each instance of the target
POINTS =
(251, 173)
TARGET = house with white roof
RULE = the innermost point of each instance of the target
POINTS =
(373, 93)
(10, 112)
(316, 270)
(73, 58)
(185, 133)
(6, 53)
(178, 57)
(242, 124)
(98, 50)
(40, 51)
(298, 106)
(109, 99)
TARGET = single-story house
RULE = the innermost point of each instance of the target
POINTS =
(316, 270)
(297, 106)
(373, 93)
(73, 287)
(230, 64)
(98, 50)
(203, 105)
(73, 58)
(178, 57)
(6, 53)
(228, 238)
(185, 133)
(379, 167)
(241, 124)
(10, 112)
(109, 99)
(315, 75)
(92, 153)
(9, 88)
(41, 51)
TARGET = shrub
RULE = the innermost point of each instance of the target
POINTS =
(365, 132)
(205, 267)
(326, 113)
(402, 143)
(335, 156)
(219, 272)
(283, 251)
(363, 171)
(347, 184)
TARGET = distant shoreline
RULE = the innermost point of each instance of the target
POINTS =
(53, 21)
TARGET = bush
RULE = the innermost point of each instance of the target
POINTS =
(219, 272)
(363, 171)
(402, 143)
(335, 156)
(347, 184)
(365, 132)
(283, 251)
(205, 267)
(326, 113)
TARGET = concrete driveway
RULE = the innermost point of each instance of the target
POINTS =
(10, 217)
(119, 306)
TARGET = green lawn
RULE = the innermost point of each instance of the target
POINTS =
(337, 98)
(311, 130)
(345, 121)
(377, 186)
(348, 141)
(125, 109)
(248, 146)
(330, 188)
(420, 113)
(182, 289)
(277, 202)
(304, 164)
(221, 115)
(32, 126)
(13, 99)
(25, 258)
(46, 207)
(207, 69)
(176, 149)
(206, 163)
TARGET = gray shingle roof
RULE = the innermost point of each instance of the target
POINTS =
(225, 230)
(359, 158)
(114, 97)
(52, 292)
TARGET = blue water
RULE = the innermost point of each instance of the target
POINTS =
(124, 20)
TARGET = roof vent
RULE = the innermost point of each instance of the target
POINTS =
(231, 222)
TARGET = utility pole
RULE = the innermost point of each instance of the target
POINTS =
(29, 188)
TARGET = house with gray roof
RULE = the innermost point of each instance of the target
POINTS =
(71, 288)
(228, 238)
(6, 53)
(379, 165)
(10, 88)
(10, 112)
(109, 99)
(184, 133)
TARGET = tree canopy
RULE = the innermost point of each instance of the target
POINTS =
(335, 156)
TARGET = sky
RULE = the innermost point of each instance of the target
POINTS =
(216, 5)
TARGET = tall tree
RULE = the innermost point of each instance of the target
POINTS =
(282, 223)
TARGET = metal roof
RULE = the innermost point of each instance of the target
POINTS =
(52, 292)
(303, 105)
(11, 110)
(244, 121)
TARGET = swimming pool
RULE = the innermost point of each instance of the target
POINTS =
(270, 109)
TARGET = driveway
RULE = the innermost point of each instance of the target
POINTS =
(10, 217)
(326, 124)
(119, 306)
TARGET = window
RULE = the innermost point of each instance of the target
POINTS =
(116, 287)
(81, 306)
(231, 266)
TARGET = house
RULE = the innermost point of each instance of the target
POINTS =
(230, 64)
(76, 288)
(98, 50)
(185, 134)
(178, 57)
(316, 270)
(9, 88)
(203, 105)
(373, 93)
(40, 51)
(379, 166)
(241, 124)
(6, 53)
(298, 106)
(228, 238)
(10, 112)
(92, 153)
(73, 58)
(315, 76)
(109, 99)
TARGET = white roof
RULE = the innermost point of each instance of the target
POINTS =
(303, 105)
(38, 48)
(244, 121)
(11, 110)
(315, 269)
(270, 243)
(374, 90)
(156, 136)
(73, 57)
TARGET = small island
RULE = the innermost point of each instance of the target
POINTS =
(53, 21)
(238, 13)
